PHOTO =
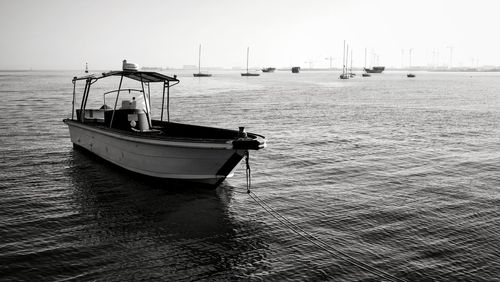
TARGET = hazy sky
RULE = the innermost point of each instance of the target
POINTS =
(64, 34)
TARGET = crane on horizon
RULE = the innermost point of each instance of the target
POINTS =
(310, 63)
(331, 60)
(451, 56)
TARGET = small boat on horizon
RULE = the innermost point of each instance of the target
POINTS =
(127, 135)
(378, 69)
(295, 69)
(86, 68)
(200, 74)
(410, 75)
(270, 69)
(247, 73)
(250, 74)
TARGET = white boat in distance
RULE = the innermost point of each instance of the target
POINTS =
(129, 137)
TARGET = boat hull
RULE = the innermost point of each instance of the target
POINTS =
(268, 69)
(202, 162)
(375, 70)
(202, 74)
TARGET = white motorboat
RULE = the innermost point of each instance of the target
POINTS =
(129, 137)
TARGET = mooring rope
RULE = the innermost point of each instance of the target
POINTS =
(308, 236)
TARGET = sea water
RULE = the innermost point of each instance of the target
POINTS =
(394, 178)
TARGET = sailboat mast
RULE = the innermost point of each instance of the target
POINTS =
(365, 58)
(199, 59)
(347, 58)
(351, 61)
(248, 49)
(409, 63)
(343, 59)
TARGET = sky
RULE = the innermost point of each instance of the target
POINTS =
(65, 34)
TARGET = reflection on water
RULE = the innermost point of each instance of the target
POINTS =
(141, 228)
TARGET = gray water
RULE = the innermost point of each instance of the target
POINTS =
(399, 177)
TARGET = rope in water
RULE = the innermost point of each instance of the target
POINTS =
(308, 236)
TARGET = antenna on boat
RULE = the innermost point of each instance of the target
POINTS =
(365, 58)
(350, 71)
(347, 59)
(199, 59)
(451, 56)
(343, 60)
(409, 58)
(248, 50)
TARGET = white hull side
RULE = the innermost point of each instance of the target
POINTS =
(163, 159)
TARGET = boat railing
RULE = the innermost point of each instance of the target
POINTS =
(120, 90)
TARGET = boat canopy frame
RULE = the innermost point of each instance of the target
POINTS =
(144, 77)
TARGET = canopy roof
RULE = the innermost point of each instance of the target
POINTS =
(144, 76)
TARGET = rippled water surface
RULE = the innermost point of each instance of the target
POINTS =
(395, 178)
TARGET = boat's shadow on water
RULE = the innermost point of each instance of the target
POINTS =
(98, 182)
(135, 220)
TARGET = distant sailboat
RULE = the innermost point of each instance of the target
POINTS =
(200, 74)
(247, 73)
(410, 75)
(344, 74)
(86, 68)
(351, 74)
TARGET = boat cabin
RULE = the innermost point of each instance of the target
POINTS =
(131, 107)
